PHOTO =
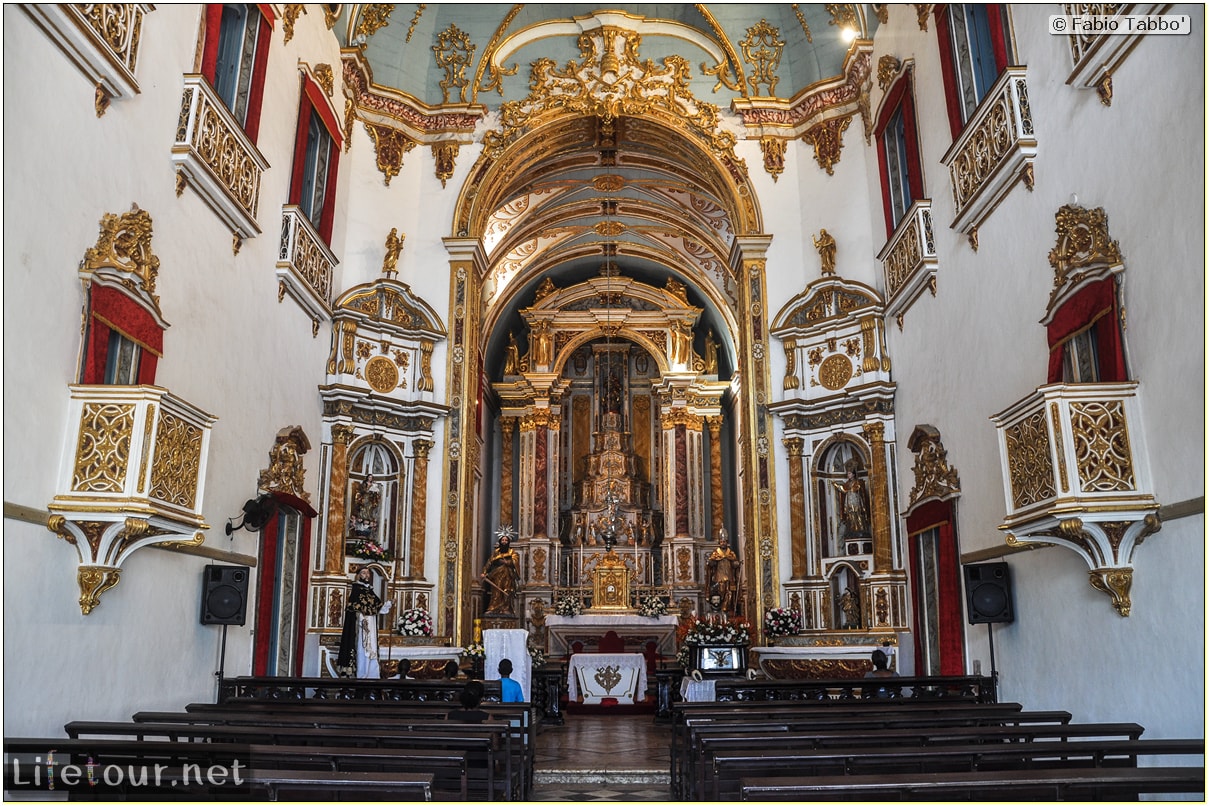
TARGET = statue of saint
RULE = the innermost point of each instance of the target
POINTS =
(851, 606)
(363, 517)
(358, 654)
(512, 356)
(826, 246)
(722, 574)
(682, 343)
(542, 344)
(711, 354)
(501, 574)
(854, 521)
(394, 245)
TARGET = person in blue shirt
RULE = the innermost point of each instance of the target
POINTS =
(510, 690)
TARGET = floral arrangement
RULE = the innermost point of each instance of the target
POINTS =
(714, 630)
(537, 656)
(780, 621)
(652, 606)
(369, 550)
(415, 622)
(568, 605)
(473, 651)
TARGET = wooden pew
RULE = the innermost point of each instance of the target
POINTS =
(729, 767)
(1095, 783)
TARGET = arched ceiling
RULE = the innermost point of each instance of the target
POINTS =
(650, 192)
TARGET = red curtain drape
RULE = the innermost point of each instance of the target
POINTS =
(1094, 303)
(951, 633)
(112, 310)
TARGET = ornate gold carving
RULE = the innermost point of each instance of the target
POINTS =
(1101, 443)
(381, 374)
(103, 448)
(1083, 243)
(424, 382)
(835, 372)
(802, 21)
(791, 380)
(390, 145)
(539, 564)
(608, 677)
(289, 17)
(922, 11)
(773, 149)
(882, 12)
(1104, 88)
(445, 156)
(125, 245)
(453, 53)
(286, 472)
(994, 138)
(374, 17)
(100, 101)
(683, 559)
(934, 478)
(973, 238)
(843, 15)
(828, 139)
(1116, 582)
(325, 78)
(887, 68)
(93, 581)
(1029, 467)
(762, 50)
(174, 474)
(331, 13)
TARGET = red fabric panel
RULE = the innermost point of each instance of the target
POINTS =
(997, 22)
(1089, 305)
(902, 93)
(893, 98)
(916, 177)
(210, 46)
(314, 93)
(266, 571)
(951, 632)
(329, 204)
(259, 68)
(147, 366)
(127, 317)
(95, 351)
(266, 11)
(952, 93)
(304, 115)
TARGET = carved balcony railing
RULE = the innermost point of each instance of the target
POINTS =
(909, 260)
(131, 477)
(1076, 474)
(305, 266)
(214, 157)
(1095, 56)
(102, 39)
(995, 150)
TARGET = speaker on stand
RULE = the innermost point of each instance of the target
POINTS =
(224, 600)
(989, 599)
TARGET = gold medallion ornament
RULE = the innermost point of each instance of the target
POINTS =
(381, 374)
(835, 372)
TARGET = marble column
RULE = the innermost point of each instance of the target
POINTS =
(797, 507)
(879, 497)
(715, 473)
(507, 429)
(333, 549)
(419, 508)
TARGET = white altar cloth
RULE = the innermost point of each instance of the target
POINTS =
(584, 669)
(698, 690)
(564, 630)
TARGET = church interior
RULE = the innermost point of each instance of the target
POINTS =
(843, 327)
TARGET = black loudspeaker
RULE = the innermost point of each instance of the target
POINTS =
(224, 598)
(988, 593)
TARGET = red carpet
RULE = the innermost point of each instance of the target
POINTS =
(610, 707)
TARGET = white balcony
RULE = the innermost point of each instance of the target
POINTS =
(305, 265)
(909, 259)
(1076, 474)
(995, 151)
(214, 157)
(132, 475)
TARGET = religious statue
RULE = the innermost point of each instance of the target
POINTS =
(682, 343)
(826, 246)
(711, 354)
(358, 655)
(854, 520)
(542, 346)
(722, 574)
(363, 517)
(677, 289)
(285, 471)
(852, 609)
(501, 574)
(394, 245)
(537, 618)
(544, 289)
(512, 356)
(613, 392)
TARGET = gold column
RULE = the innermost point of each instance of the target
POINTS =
(715, 473)
(419, 508)
(879, 520)
(333, 549)
(797, 507)
(747, 259)
(507, 428)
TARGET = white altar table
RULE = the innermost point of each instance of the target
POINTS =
(599, 674)
(634, 629)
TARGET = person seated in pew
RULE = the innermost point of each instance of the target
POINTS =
(452, 670)
(404, 670)
(471, 697)
(510, 690)
(880, 661)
